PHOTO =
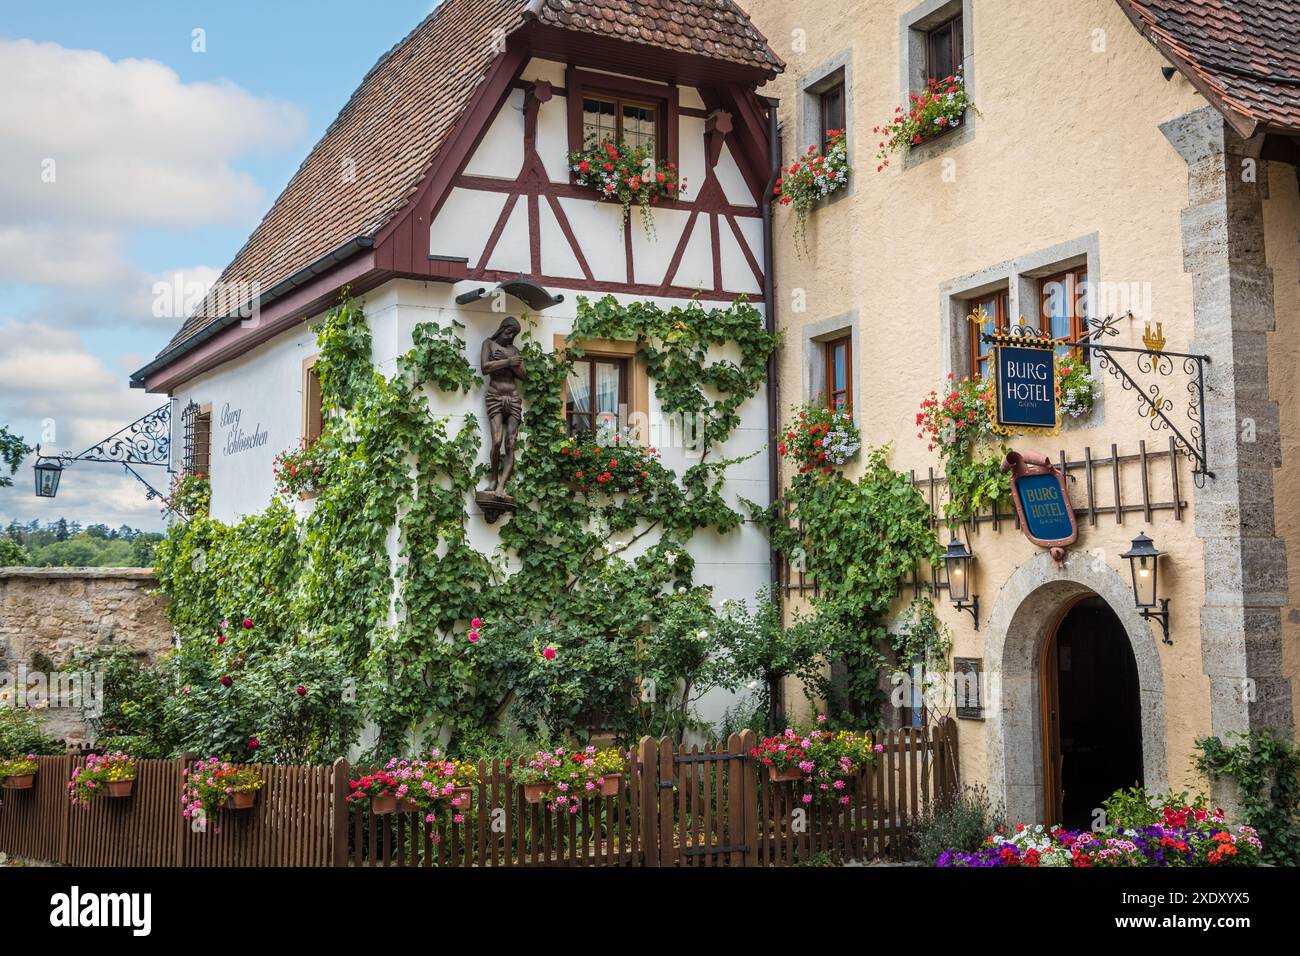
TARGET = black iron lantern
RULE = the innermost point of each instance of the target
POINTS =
(1144, 561)
(957, 561)
(1144, 564)
(48, 472)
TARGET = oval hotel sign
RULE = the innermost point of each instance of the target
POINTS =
(1042, 501)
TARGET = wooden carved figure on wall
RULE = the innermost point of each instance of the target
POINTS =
(502, 365)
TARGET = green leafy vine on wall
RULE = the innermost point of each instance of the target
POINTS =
(858, 539)
(562, 605)
(1266, 768)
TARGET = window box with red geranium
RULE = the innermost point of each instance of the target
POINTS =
(819, 438)
(301, 471)
(610, 465)
(190, 494)
(812, 177)
(937, 109)
(627, 174)
(380, 788)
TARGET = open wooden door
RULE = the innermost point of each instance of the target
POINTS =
(1049, 697)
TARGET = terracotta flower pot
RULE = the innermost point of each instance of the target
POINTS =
(407, 806)
(610, 784)
(120, 788)
(242, 801)
(786, 775)
(464, 797)
(536, 792)
(382, 805)
(19, 781)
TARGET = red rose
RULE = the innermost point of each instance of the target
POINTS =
(253, 743)
(248, 623)
(226, 681)
(302, 691)
(584, 167)
(549, 653)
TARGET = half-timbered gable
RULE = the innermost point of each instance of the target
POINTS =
(448, 172)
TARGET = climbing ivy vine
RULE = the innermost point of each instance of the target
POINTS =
(551, 627)
(858, 539)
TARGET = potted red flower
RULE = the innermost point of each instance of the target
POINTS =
(380, 788)
(785, 756)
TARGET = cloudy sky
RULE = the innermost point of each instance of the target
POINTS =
(143, 140)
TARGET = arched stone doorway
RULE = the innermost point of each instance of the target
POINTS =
(1027, 611)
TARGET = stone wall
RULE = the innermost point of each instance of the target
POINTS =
(47, 614)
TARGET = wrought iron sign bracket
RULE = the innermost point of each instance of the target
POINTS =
(1153, 403)
(146, 442)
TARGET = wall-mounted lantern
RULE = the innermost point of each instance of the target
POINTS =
(48, 472)
(1144, 563)
(957, 560)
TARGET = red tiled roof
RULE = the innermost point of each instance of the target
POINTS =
(1243, 55)
(373, 156)
(712, 28)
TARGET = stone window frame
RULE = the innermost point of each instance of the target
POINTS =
(913, 28)
(1020, 277)
(815, 336)
(832, 72)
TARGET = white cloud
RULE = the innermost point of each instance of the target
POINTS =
(95, 151)
(53, 391)
(48, 373)
(127, 142)
(46, 254)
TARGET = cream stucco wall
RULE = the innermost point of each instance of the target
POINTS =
(1066, 154)
(1282, 248)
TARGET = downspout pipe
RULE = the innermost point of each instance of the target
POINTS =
(769, 302)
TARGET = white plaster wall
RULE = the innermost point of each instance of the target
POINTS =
(265, 385)
(500, 154)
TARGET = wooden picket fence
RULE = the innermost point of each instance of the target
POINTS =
(291, 824)
(675, 806)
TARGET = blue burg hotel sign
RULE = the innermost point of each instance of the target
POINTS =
(1042, 501)
(1026, 381)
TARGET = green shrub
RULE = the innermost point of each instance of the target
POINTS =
(1266, 767)
(132, 714)
(1134, 808)
(22, 732)
(961, 823)
(295, 704)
